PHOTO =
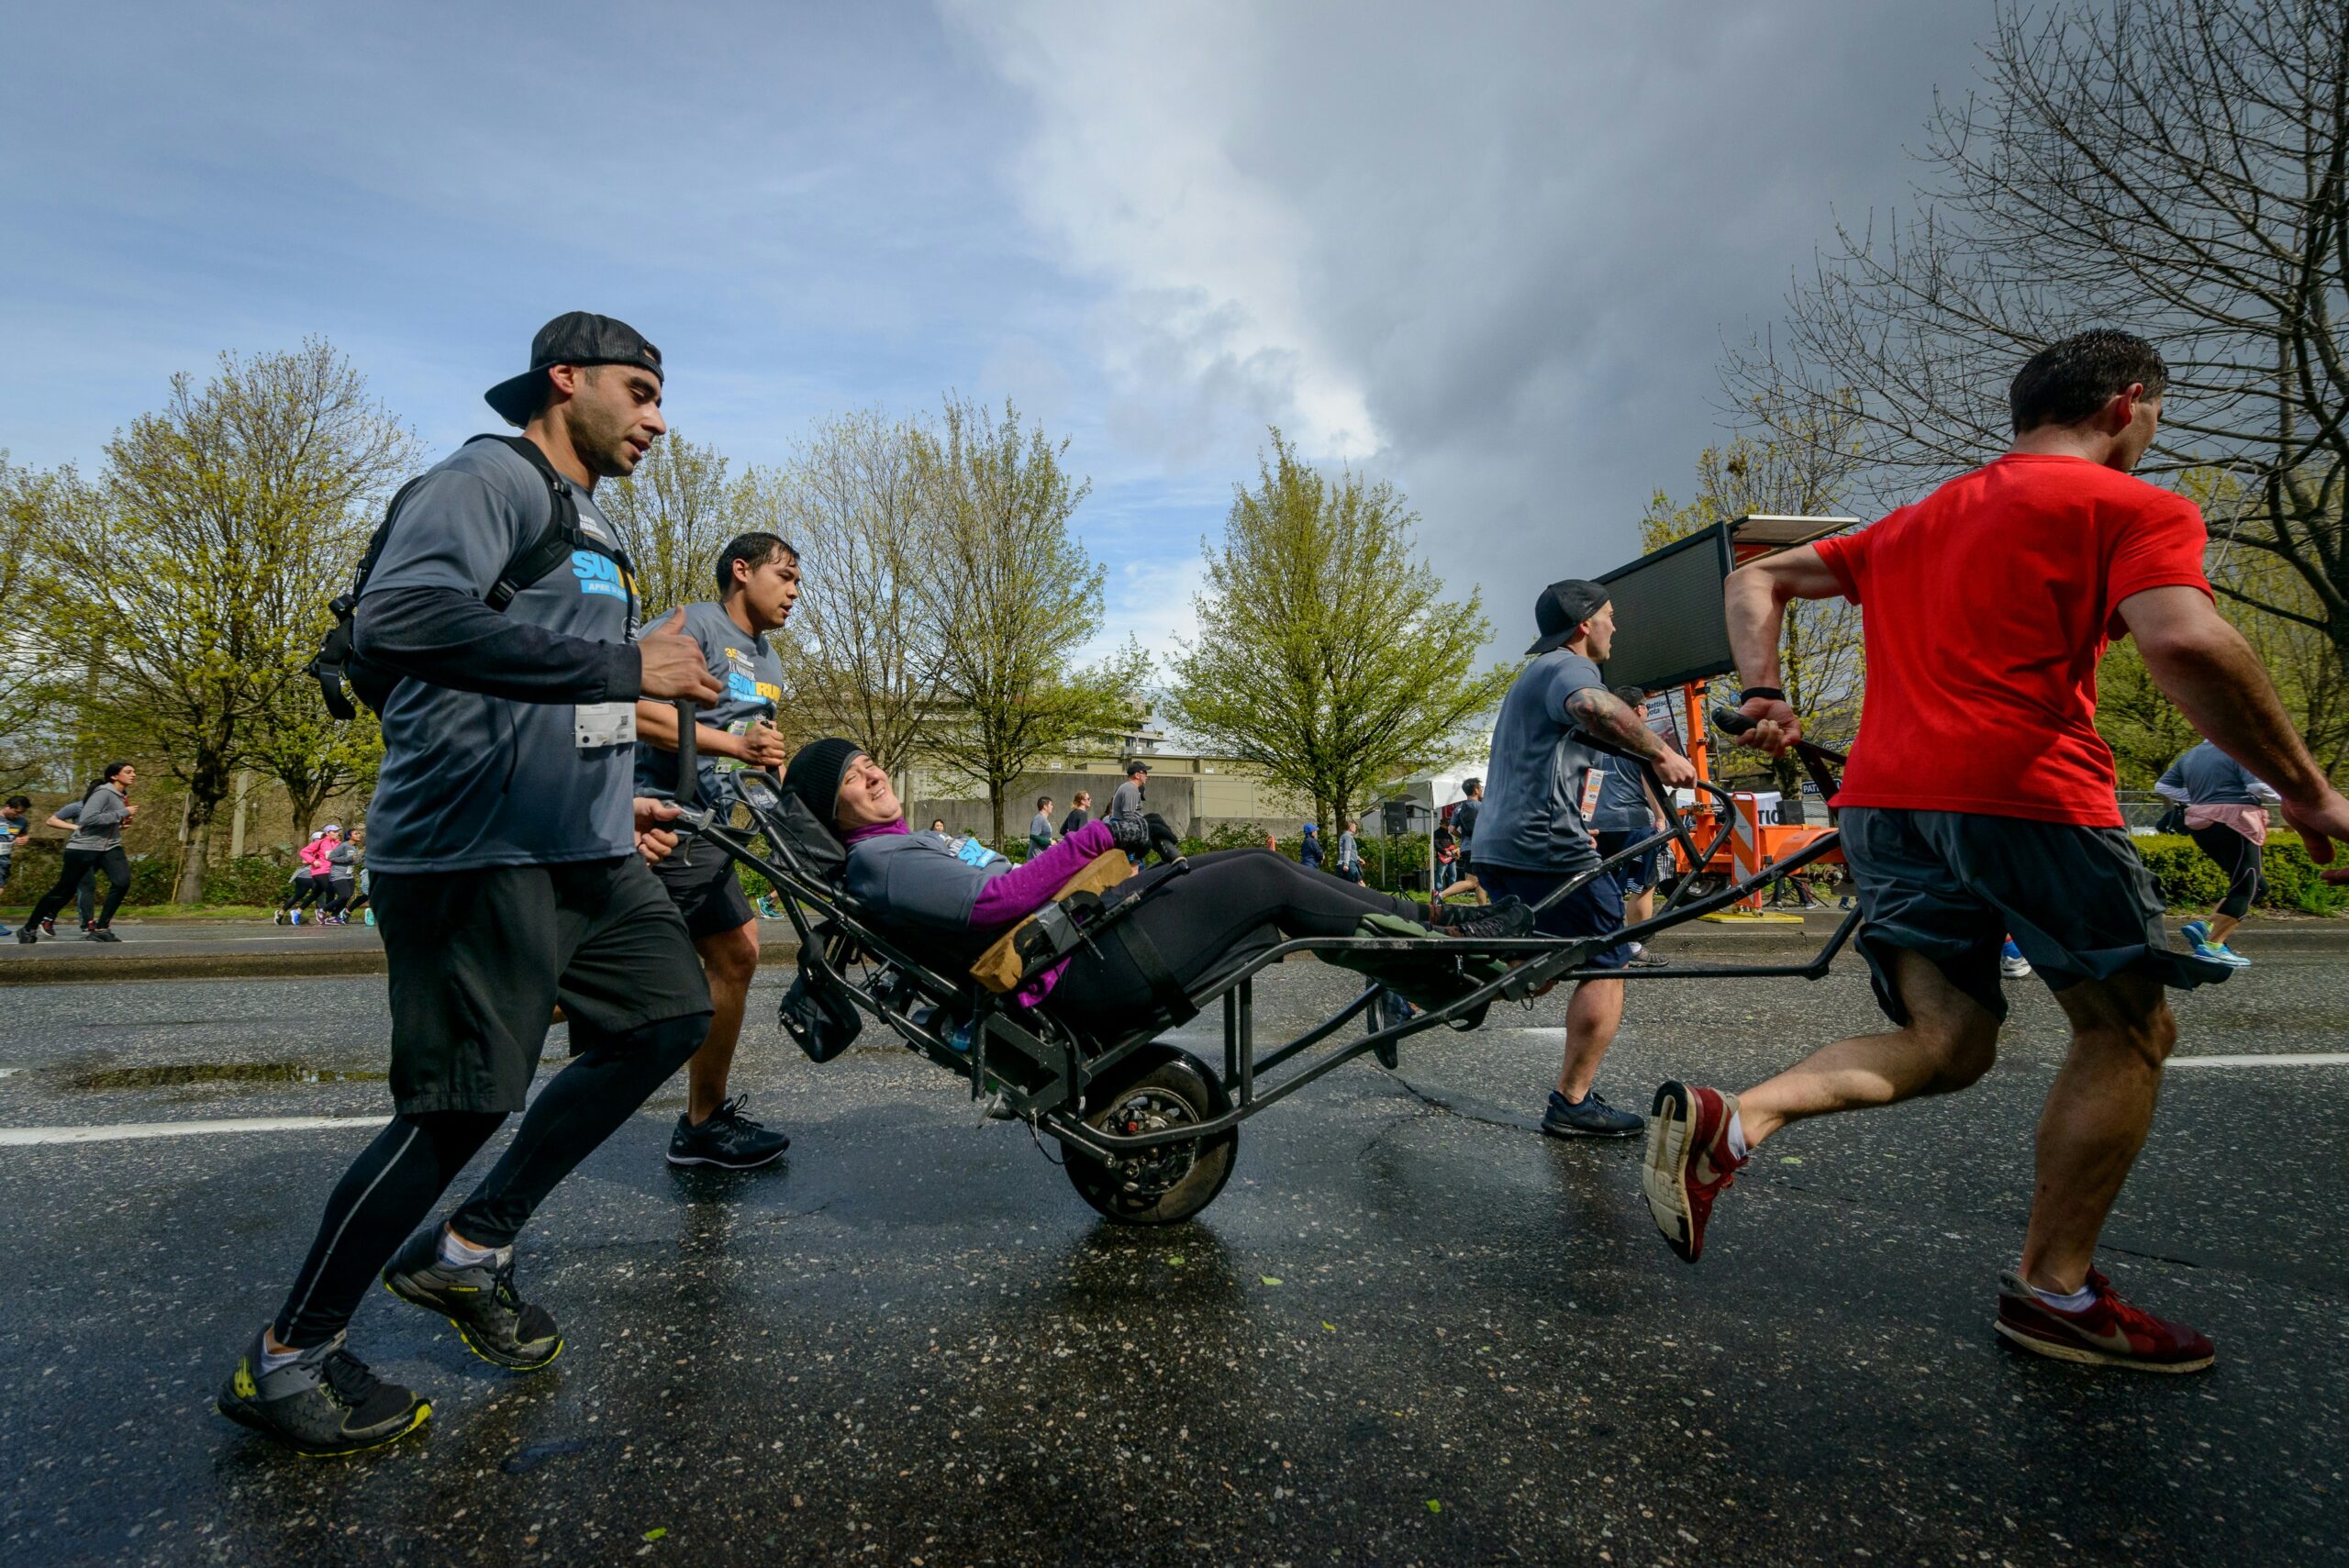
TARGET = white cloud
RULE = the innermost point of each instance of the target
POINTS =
(1487, 251)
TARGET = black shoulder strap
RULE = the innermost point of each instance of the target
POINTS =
(561, 536)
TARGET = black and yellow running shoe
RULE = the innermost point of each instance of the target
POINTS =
(323, 1403)
(479, 1301)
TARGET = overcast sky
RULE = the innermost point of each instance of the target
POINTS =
(1489, 252)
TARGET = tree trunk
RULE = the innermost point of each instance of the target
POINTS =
(237, 827)
(994, 803)
(201, 807)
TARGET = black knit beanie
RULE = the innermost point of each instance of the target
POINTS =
(815, 776)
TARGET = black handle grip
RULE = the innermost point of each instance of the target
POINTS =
(688, 754)
(1730, 722)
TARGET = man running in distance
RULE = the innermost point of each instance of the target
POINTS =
(758, 582)
(508, 860)
(1532, 832)
(1985, 608)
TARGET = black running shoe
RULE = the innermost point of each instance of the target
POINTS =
(27, 935)
(324, 1403)
(479, 1301)
(1512, 917)
(729, 1140)
(100, 934)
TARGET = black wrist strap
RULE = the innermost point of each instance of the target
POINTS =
(1750, 692)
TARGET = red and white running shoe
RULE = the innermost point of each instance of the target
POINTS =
(2108, 1331)
(1688, 1162)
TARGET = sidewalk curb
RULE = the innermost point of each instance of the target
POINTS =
(1710, 941)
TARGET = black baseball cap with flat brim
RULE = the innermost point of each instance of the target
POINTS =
(574, 338)
(1562, 608)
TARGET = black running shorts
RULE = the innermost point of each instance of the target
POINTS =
(702, 882)
(479, 959)
(1951, 886)
(1595, 909)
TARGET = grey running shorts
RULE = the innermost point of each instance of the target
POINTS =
(1951, 886)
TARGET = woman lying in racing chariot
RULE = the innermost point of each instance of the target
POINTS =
(1227, 906)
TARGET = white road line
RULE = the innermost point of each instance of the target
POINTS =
(2282, 1059)
(22, 1137)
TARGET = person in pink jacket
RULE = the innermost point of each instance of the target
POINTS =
(310, 875)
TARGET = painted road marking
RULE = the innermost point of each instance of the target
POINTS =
(22, 1137)
(2282, 1059)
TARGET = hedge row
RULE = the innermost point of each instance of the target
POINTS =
(2190, 879)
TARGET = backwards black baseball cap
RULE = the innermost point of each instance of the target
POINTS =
(1561, 609)
(574, 338)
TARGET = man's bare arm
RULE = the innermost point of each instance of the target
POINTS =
(656, 725)
(2211, 671)
(1754, 600)
(1602, 714)
(1755, 597)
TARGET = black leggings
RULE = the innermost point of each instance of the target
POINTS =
(390, 1189)
(2239, 858)
(338, 899)
(79, 864)
(305, 887)
(1231, 904)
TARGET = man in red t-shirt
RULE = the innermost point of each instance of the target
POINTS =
(1980, 801)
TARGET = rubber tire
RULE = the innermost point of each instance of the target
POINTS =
(1186, 1078)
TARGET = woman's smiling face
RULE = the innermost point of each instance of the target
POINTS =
(867, 799)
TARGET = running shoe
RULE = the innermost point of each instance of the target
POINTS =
(49, 927)
(2219, 952)
(479, 1301)
(1590, 1116)
(27, 935)
(2108, 1331)
(277, 919)
(1688, 1164)
(100, 934)
(323, 1403)
(729, 1140)
(2196, 932)
(2012, 965)
(1511, 917)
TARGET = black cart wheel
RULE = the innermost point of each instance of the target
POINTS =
(1157, 1087)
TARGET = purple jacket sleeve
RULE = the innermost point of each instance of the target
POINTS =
(1021, 892)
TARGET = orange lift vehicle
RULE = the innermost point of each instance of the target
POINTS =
(1670, 634)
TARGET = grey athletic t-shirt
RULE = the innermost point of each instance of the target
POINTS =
(1533, 817)
(97, 821)
(471, 780)
(2211, 777)
(749, 678)
(1622, 800)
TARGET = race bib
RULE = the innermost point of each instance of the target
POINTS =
(594, 725)
(1592, 778)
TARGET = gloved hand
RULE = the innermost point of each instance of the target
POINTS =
(1141, 835)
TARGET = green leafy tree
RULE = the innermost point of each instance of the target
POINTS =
(674, 514)
(310, 753)
(1013, 597)
(192, 577)
(32, 740)
(862, 652)
(1327, 653)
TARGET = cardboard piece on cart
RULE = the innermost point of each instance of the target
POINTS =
(1000, 967)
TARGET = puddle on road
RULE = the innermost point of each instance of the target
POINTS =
(180, 1074)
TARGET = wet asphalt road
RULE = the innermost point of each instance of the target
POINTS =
(1409, 1331)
